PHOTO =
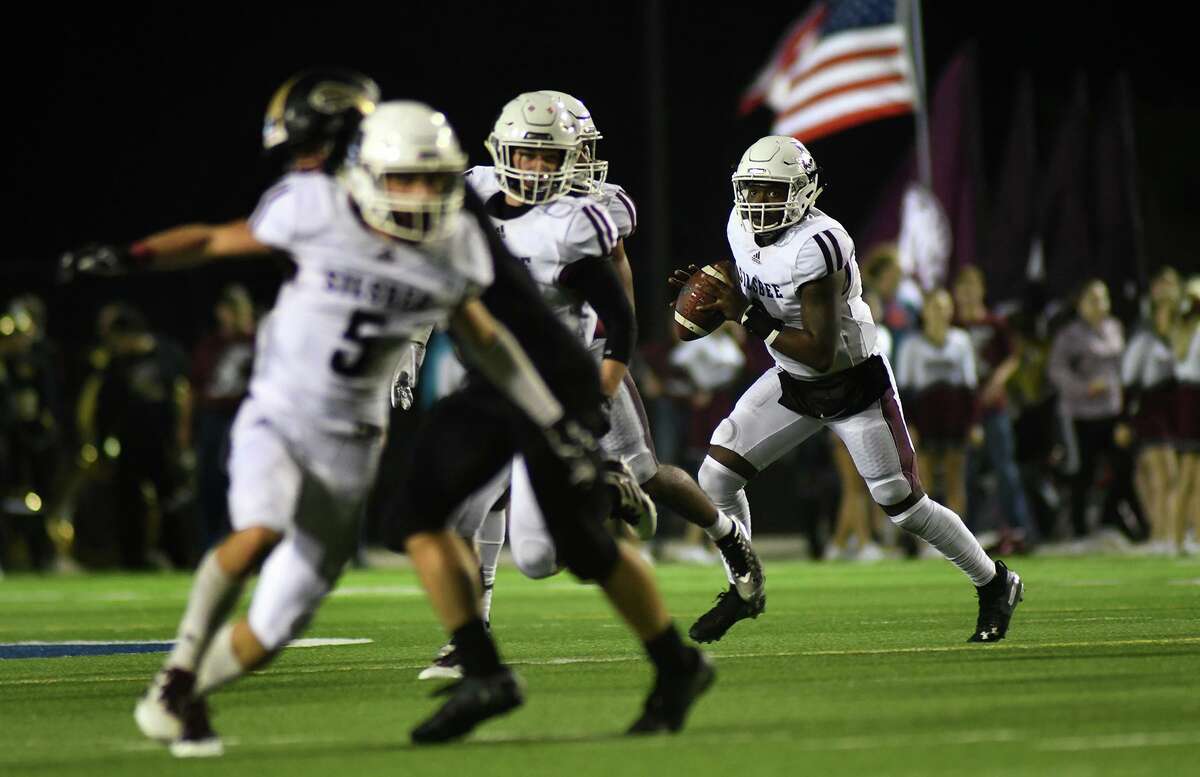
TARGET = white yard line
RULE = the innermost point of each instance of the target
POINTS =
(907, 741)
(1121, 741)
(389, 667)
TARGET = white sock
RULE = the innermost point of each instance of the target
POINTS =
(720, 530)
(940, 527)
(213, 595)
(727, 491)
(219, 665)
(489, 540)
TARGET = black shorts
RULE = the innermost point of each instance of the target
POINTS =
(461, 444)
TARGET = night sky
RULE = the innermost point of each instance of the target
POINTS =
(125, 125)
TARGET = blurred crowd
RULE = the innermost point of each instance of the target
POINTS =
(1045, 424)
(113, 456)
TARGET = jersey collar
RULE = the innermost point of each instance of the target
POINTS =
(498, 208)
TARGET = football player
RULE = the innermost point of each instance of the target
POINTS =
(630, 440)
(566, 243)
(379, 253)
(796, 286)
(534, 223)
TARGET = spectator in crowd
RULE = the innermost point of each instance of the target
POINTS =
(1187, 420)
(935, 373)
(1148, 377)
(30, 439)
(881, 274)
(136, 412)
(995, 362)
(1038, 449)
(220, 375)
(1085, 360)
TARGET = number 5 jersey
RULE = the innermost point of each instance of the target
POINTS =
(326, 351)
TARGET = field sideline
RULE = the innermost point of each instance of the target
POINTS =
(852, 670)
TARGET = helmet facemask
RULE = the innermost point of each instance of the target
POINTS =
(417, 207)
(765, 216)
(533, 187)
(590, 171)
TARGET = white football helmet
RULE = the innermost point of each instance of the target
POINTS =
(399, 139)
(775, 159)
(590, 171)
(534, 121)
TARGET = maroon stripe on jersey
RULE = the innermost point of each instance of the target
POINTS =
(629, 207)
(601, 234)
(641, 411)
(825, 251)
(894, 416)
(609, 226)
(837, 248)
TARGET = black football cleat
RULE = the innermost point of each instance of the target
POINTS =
(747, 570)
(472, 701)
(997, 602)
(729, 609)
(672, 697)
(198, 739)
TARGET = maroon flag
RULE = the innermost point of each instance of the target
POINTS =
(1012, 219)
(1120, 251)
(1063, 218)
(957, 171)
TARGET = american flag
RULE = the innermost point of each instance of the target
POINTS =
(844, 63)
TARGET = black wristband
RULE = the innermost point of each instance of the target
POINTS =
(761, 324)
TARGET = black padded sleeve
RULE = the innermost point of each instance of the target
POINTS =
(595, 280)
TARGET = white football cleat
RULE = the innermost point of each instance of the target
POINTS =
(447, 665)
(159, 713)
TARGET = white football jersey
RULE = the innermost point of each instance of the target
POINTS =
(327, 350)
(809, 250)
(547, 239)
(620, 208)
(616, 201)
(921, 363)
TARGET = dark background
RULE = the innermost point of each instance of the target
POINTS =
(123, 125)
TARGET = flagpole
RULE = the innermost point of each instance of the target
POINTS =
(917, 51)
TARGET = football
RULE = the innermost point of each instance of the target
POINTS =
(690, 323)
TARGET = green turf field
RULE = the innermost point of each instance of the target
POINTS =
(853, 669)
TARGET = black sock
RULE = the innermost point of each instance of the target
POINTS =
(479, 656)
(667, 651)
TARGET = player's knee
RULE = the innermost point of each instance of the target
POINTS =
(536, 558)
(890, 491)
(245, 549)
(273, 630)
(718, 481)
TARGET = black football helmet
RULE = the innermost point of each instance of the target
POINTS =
(317, 110)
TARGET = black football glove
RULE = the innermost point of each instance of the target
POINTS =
(94, 259)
